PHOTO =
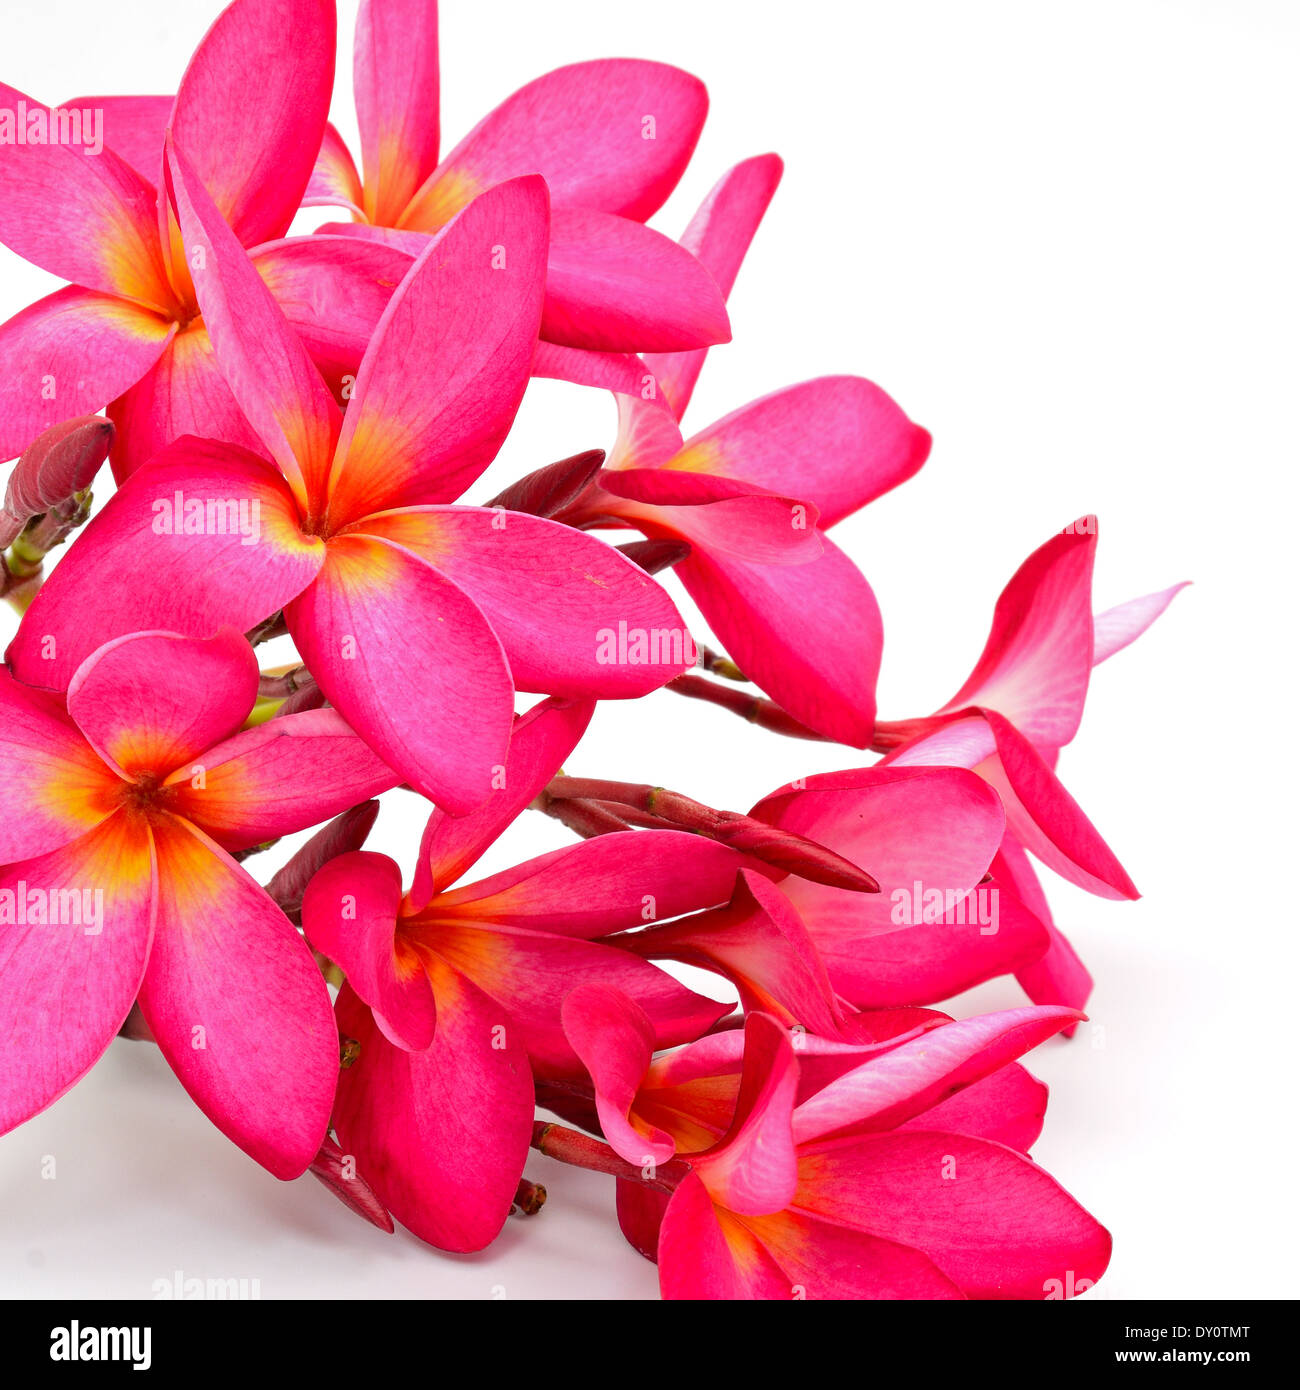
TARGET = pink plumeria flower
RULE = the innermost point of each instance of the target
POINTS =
(755, 493)
(127, 333)
(418, 619)
(873, 1185)
(119, 815)
(454, 993)
(611, 138)
(1021, 704)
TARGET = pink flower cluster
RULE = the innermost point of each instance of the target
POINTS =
(291, 423)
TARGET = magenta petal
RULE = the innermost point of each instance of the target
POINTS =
(375, 613)
(67, 985)
(166, 573)
(349, 912)
(701, 1258)
(237, 1004)
(1007, 1106)
(441, 1135)
(133, 128)
(1114, 629)
(540, 741)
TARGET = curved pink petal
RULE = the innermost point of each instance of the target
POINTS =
(431, 409)
(1114, 629)
(603, 885)
(529, 973)
(540, 741)
(349, 912)
(278, 778)
(648, 435)
(70, 354)
(614, 134)
(203, 537)
(334, 179)
(1036, 663)
(896, 1086)
(274, 58)
(441, 1135)
(1058, 976)
(68, 980)
(718, 237)
(183, 393)
(613, 285)
(574, 616)
(151, 701)
(996, 1224)
(376, 613)
(615, 1041)
(133, 128)
(85, 218)
(237, 1004)
(706, 1253)
(1007, 1106)
(837, 442)
(395, 80)
(263, 360)
(53, 787)
(760, 614)
(607, 371)
(752, 1171)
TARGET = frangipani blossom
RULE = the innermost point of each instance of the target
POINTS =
(128, 331)
(611, 138)
(1022, 703)
(119, 815)
(454, 993)
(754, 494)
(418, 619)
(869, 1187)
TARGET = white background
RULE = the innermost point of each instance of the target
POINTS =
(1064, 237)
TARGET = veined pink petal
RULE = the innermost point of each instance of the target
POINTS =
(904, 1082)
(1058, 976)
(706, 1253)
(237, 1004)
(753, 1170)
(759, 943)
(837, 442)
(1114, 629)
(375, 614)
(275, 58)
(529, 973)
(1007, 1106)
(614, 135)
(264, 362)
(183, 393)
(204, 537)
(648, 435)
(85, 218)
(607, 371)
(996, 1224)
(540, 741)
(614, 285)
(760, 614)
(53, 788)
(1035, 666)
(557, 599)
(333, 290)
(615, 1041)
(718, 237)
(66, 984)
(395, 79)
(152, 701)
(133, 128)
(70, 354)
(277, 778)
(441, 1135)
(334, 179)
(349, 912)
(759, 530)
(431, 409)
(603, 885)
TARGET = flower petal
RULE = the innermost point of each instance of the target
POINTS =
(1114, 629)
(151, 701)
(133, 128)
(376, 613)
(706, 1253)
(66, 986)
(334, 179)
(237, 1004)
